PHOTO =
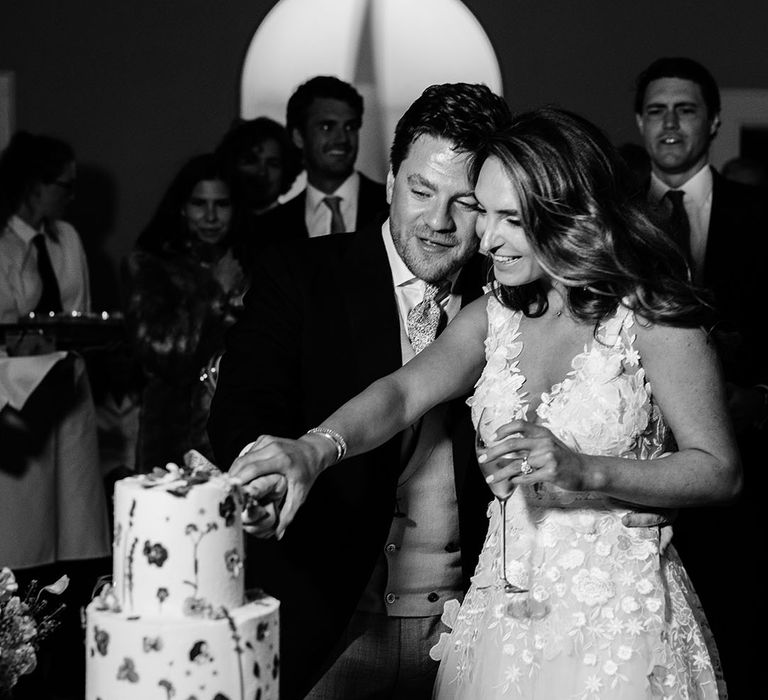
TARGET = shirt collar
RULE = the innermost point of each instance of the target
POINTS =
(22, 229)
(401, 275)
(347, 191)
(698, 188)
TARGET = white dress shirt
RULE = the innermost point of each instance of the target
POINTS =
(317, 215)
(697, 200)
(409, 290)
(20, 284)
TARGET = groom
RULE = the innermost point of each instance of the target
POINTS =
(386, 538)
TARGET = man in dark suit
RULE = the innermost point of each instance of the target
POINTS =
(323, 118)
(387, 537)
(722, 227)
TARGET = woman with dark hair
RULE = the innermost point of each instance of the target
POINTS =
(185, 285)
(597, 392)
(42, 261)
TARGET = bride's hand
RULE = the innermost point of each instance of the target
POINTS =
(536, 455)
(299, 461)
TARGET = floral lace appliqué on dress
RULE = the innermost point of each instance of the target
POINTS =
(606, 616)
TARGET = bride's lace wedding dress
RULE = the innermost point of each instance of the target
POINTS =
(606, 615)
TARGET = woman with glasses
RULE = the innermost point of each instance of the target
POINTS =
(42, 263)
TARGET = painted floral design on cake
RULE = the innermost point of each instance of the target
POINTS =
(199, 653)
(162, 595)
(233, 562)
(194, 606)
(166, 685)
(155, 553)
(128, 556)
(151, 644)
(101, 639)
(228, 510)
(127, 671)
(237, 648)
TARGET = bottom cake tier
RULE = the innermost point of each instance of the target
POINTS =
(235, 657)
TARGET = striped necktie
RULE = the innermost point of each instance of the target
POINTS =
(337, 220)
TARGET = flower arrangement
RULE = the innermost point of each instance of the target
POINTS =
(24, 622)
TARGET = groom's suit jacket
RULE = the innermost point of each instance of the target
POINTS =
(320, 324)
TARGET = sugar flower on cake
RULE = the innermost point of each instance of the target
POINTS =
(107, 599)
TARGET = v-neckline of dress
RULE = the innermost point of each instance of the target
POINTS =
(545, 397)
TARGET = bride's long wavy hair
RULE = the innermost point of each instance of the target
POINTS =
(586, 226)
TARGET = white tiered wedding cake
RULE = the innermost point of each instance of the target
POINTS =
(174, 623)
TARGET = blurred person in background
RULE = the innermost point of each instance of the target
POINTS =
(184, 284)
(323, 118)
(53, 515)
(42, 262)
(259, 153)
(721, 227)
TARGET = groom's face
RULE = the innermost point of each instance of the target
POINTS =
(433, 209)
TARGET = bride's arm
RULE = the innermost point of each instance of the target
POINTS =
(684, 374)
(448, 368)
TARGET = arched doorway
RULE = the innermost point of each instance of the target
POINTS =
(390, 50)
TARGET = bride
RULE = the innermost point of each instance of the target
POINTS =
(590, 354)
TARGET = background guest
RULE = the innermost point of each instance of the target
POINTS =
(722, 227)
(323, 117)
(185, 284)
(42, 262)
(53, 515)
(260, 155)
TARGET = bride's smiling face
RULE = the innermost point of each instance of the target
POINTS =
(500, 230)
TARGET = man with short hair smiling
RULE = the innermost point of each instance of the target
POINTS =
(722, 228)
(385, 539)
(323, 118)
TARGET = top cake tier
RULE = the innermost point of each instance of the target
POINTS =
(178, 548)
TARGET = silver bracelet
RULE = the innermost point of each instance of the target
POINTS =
(338, 441)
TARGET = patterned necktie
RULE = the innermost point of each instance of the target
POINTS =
(50, 299)
(425, 320)
(337, 220)
(679, 226)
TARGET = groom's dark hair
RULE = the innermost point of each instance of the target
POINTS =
(463, 113)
